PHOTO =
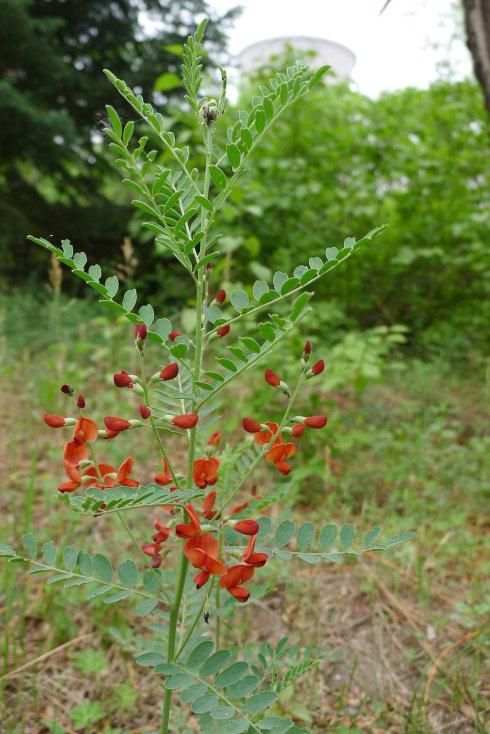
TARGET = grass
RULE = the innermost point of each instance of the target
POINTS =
(403, 634)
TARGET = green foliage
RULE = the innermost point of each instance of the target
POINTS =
(415, 159)
(225, 692)
(95, 501)
(54, 173)
(334, 543)
(79, 568)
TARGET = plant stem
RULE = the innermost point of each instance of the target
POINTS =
(198, 359)
(153, 425)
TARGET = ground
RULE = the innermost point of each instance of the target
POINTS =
(402, 634)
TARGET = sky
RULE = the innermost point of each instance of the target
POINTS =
(404, 46)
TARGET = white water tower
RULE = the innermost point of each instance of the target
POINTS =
(339, 57)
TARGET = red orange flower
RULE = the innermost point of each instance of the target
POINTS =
(205, 472)
(165, 477)
(208, 510)
(234, 577)
(250, 557)
(74, 477)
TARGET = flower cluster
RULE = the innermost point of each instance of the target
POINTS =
(270, 434)
(202, 533)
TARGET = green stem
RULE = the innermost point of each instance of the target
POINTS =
(198, 360)
(195, 622)
(153, 424)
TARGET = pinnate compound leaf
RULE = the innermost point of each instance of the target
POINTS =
(128, 573)
(215, 663)
(284, 533)
(231, 674)
(200, 653)
(259, 702)
(102, 567)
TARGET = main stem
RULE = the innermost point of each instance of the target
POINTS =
(198, 358)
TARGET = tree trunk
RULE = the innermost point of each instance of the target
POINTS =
(477, 21)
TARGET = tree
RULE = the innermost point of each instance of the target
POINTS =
(477, 22)
(416, 160)
(53, 165)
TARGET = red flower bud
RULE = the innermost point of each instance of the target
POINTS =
(246, 527)
(170, 371)
(173, 335)
(112, 423)
(140, 332)
(318, 367)
(81, 402)
(201, 579)
(223, 330)
(272, 378)
(215, 439)
(298, 430)
(156, 562)
(220, 296)
(316, 421)
(145, 412)
(54, 421)
(151, 549)
(188, 420)
(251, 426)
(122, 379)
(307, 348)
(67, 390)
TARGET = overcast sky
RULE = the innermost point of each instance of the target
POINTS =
(404, 46)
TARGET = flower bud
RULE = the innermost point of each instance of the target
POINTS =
(122, 379)
(214, 439)
(81, 402)
(246, 527)
(316, 421)
(220, 296)
(251, 426)
(272, 378)
(307, 348)
(169, 372)
(67, 390)
(140, 332)
(298, 430)
(113, 423)
(156, 562)
(173, 335)
(145, 412)
(57, 421)
(187, 421)
(85, 464)
(223, 330)
(317, 368)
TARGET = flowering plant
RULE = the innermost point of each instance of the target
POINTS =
(205, 539)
